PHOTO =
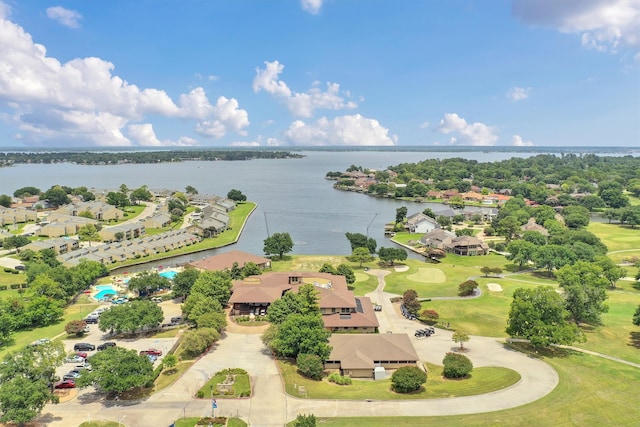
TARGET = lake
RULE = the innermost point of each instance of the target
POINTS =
(292, 194)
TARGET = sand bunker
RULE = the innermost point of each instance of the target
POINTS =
(428, 275)
(401, 268)
(494, 287)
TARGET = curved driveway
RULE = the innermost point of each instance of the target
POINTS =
(270, 406)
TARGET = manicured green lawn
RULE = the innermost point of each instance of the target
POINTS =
(167, 378)
(615, 236)
(101, 424)
(73, 312)
(483, 380)
(592, 392)
(241, 387)
(618, 336)
(456, 269)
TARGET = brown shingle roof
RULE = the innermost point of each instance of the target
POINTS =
(364, 350)
(226, 260)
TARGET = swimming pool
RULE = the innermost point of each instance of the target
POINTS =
(168, 274)
(105, 290)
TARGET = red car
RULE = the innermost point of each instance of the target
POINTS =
(65, 384)
(81, 354)
(152, 352)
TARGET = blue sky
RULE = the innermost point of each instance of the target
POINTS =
(319, 72)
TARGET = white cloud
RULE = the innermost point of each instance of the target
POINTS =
(66, 17)
(5, 10)
(343, 130)
(467, 133)
(311, 6)
(299, 103)
(605, 25)
(518, 93)
(424, 125)
(82, 102)
(517, 141)
(270, 142)
(144, 135)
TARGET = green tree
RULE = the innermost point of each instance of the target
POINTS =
(148, 282)
(131, 317)
(539, 315)
(22, 399)
(408, 379)
(327, 268)
(310, 366)
(141, 193)
(215, 284)
(508, 227)
(534, 237)
(170, 361)
(429, 212)
(359, 240)
(360, 255)
(347, 272)
(460, 337)
(251, 269)
(401, 214)
(213, 319)
(585, 290)
(278, 243)
(610, 270)
(467, 288)
(183, 281)
(26, 191)
(197, 304)
(456, 365)
(5, 200)
(636, 316)
(443, 221)
(236, 195)
(56, 196)
(283, 307)
(15, 242)
(520, 252)
(304, 420)
(391, 255)
(116, 370)
(89, 233)
(117, 199)
(43, 285)
(197, 341)
(190, 190)
(302, 334)
(551, 257)
(43, 311)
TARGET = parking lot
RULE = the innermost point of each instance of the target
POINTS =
(96, 337)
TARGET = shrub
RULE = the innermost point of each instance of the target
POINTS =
(456, 365)
(75, 327)
(303, 420)
(430, 315)
(310, 366)
(200, 394)
(3, 287)
(339, 379)
(500, 247)
(408, 379)
(15, 286)
(466, 288)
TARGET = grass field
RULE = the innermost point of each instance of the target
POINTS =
(483, 380)
(241, 387)
(167, 377)
(22, 338)
(191, 422)
(592, 392)
(618, 238)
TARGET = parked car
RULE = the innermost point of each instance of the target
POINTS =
(81, 354)
(177, 319)
(73, 375)
(40, 342)
(106, 345)
(152, 358)
(84, 346)
(82, 367)
(65, 384)
(152, 351)
(20, 267)
(87, 329)
(378, 308)
(74, 359)
(92, 319)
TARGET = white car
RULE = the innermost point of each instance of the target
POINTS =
(74, 359)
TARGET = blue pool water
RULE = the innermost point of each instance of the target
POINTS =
(168, 274)
(104, 291)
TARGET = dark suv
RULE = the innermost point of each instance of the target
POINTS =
(84, 346)
(106, 345)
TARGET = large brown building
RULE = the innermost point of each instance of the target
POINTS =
(341, 310)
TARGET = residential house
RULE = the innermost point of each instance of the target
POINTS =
(158, 221)
(341, 310)
(59, 245)
(358, 355)
(16, 215)
(129, 231)
(99, 210)
(462, 245)
(531, 225)
(420, 223)
(472, 196)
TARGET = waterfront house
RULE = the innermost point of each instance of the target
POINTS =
(420, 223)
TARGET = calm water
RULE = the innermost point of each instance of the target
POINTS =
(292, 194)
